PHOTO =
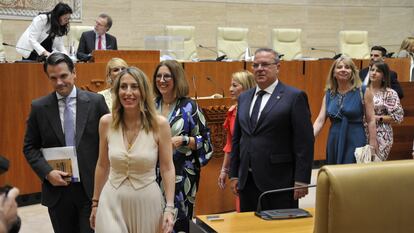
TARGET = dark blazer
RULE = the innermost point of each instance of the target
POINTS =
(280, 148)
(44, 130)
(395, 85)
(87, 44)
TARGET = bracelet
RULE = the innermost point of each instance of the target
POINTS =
(95, 200)
(94, 205)
(225, 170)
(169, 206)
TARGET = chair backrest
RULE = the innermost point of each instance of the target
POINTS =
(2, 49)
(187, 32)
(75, 34)
(374, 197)
(287, 41)
(232, 42)
(354, 44)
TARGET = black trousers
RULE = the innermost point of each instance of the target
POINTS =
(72, 211)
(250, 194)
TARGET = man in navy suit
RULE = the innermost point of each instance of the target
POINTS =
(97, 39)
(66, 117)
(273, 139)
(378, 54)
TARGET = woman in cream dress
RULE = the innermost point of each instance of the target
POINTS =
(113, 68)
(126, 196)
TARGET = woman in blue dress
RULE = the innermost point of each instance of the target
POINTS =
(191, 142)
(345, 103)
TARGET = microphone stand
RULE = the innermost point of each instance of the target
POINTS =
(215, 84)
(40, 58)
(195, 86)
(327, 50)
(265, 214)
(218, 58)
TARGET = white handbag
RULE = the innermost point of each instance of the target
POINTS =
(366, 154)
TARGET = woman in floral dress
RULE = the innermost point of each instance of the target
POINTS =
(387, 107)
(191, 142)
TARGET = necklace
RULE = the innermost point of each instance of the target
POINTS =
(130, 135)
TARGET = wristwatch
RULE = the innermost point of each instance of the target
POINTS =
(186, 140)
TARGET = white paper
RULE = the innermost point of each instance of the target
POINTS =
(68, 152)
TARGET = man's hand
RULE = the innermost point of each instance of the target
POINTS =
(233, 185)
(299, 193)
(55, 177)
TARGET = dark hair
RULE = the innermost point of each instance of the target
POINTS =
(385, 70)
(275, 54)
(57, 58)
(380, 48)
(108, 20)
(53, 19)
(181, 88)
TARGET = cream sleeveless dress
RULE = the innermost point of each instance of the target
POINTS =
(131, 200)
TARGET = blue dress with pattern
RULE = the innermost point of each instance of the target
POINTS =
(345, 112)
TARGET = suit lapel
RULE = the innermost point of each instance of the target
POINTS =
(273, 100)
(82, 111)
(52, 113)
(244, 112)
(92, 40)
(108, 42)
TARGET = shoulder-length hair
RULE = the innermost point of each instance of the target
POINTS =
(245, 78)
(147, 109)
(332, 83)
(383, 68)
(407, 43)
(113, 63)
(53, 19)
(181, 88)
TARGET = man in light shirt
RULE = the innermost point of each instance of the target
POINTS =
(97, 39)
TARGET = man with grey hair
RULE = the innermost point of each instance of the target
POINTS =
(97, 39)
(272, 140)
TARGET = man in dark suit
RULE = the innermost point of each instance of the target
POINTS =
(97, 39)
(378, 54)
(66, 117)
(273, 139)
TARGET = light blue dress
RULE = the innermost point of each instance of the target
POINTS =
(347, 132)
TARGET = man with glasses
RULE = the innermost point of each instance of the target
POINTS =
(97, 39)
(272, 141)
(378, 54)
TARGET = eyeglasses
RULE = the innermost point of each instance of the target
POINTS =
(166, 77)
(263, 65)
(117, 69)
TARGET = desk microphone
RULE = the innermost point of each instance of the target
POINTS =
(218, 58)
(211, 79)
(288, 213)
(40, 58)
(336, 55)
(195, 86)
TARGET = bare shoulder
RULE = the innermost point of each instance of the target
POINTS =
(162, 121)
(106, 119)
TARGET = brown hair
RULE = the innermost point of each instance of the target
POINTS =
(181, 88)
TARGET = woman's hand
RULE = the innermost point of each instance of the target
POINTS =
(93, 217)
(222, 180)
(177, 141)
(167, 222)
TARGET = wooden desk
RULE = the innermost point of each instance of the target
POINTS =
(248, 222)
(130, 56)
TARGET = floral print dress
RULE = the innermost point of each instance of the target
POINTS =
(186, 119)
(387, 103)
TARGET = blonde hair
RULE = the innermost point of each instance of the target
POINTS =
(245, 78)
(407, 43)
(332, 83)
(114, 62)
(181, 88)
(147, 109)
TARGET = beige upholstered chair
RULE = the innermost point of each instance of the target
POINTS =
(187, 32)
(360, 198)
(75, 34)
(287, 41)
(354, 44)
(232, 42)
(2, 52)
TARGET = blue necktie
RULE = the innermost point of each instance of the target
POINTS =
(68, 124)
(256, 108)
